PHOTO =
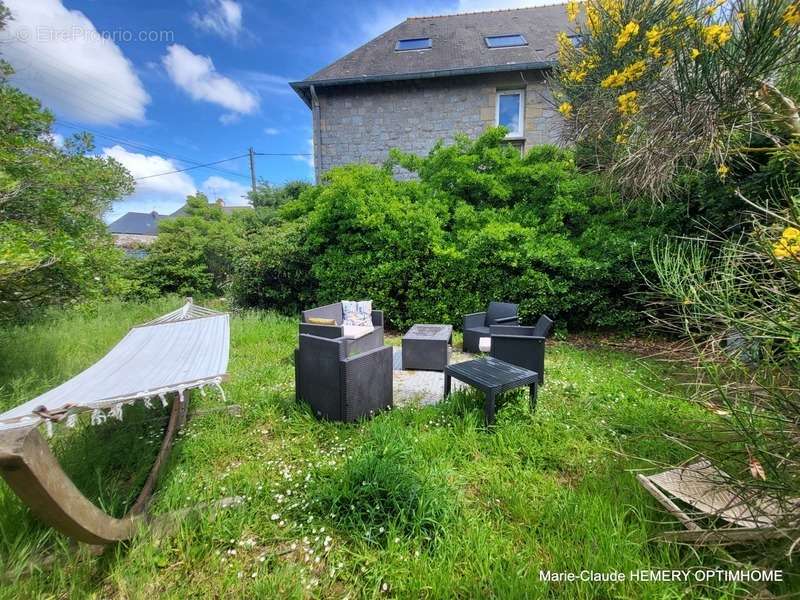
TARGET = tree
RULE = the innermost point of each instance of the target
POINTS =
(267, 195)
(193, 254)
(54, 247)
(650, 88)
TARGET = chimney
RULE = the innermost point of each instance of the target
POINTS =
(154, 214)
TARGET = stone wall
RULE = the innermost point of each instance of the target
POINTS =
(360, 123)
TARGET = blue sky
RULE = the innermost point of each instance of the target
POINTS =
(165, 85)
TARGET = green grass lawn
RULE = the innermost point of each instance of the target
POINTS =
(418, 502)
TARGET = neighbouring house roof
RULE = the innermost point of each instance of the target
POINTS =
(182, 212)
(458, 47)
(136, 223)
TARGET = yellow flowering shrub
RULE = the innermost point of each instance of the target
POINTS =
(630, 31)
(792, 15)
(629, 74)
(573, 8)
(627, 103)
(788, 245)
(565, 109)
(694, 53)
(717, 35)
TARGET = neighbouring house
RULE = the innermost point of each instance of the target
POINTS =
(430, 77)
(135, 230)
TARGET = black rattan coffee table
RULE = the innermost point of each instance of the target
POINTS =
(492, 377)
(427, 347)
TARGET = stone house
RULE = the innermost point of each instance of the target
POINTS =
(135, 230)
(429, 78)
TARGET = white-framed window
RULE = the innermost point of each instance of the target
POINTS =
(510, 111)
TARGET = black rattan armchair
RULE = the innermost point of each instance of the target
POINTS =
(334, 311)
(522, 346)
(341, 379)
(476, 325)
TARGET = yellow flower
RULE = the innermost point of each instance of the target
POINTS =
(723, 171)
(627, 103)
(694, 53)
(716, 35)
(654, 35)
(776, 32)
(565, 109)
(691, 21)
(573, 8)
(791, 233)
(565, 47)
(788, 245)
(629, 74)
(629, 31)
(577, 75)
(792, 15)
(622, 138)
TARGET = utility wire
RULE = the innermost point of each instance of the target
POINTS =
(146, 148)
(190, 168)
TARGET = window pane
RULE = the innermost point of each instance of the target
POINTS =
(508, 112)
(413, 44)
(505, 41)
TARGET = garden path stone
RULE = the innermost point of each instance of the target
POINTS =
(423, 387)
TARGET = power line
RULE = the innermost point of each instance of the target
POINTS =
(190, 168)
(146, 148)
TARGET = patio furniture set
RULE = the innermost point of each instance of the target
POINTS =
(343, 369)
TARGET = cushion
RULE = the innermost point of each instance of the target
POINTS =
(499, 310)
(354, 332)
(485, 344)
(321, 321)
(357, 313)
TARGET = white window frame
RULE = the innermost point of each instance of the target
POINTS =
(521, 116)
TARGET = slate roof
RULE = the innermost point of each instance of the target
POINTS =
(458, 48)
(135, 223)
(226, 209)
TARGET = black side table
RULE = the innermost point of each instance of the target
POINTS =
(427, 347)
(492, 377)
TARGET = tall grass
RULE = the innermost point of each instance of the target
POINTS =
(465, 513)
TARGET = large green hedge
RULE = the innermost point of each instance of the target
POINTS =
(480, 223)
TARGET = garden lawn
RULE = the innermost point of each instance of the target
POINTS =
(418, 502)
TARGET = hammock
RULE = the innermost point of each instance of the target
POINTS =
(184, 349)
(180, 351)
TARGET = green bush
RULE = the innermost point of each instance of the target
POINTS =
(192, 255)
(482, 223)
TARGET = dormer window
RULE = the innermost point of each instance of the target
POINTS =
(412, 44)
(505, 41)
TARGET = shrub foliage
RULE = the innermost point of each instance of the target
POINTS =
(480, 223)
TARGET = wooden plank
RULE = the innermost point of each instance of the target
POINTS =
(34, 474)
(729, 536)
(668, 504)
(177, 418)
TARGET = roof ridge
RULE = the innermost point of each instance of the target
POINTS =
(486, 12)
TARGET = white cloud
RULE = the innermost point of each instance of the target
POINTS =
(232, 192)
(266, 83)
(197, 76)
(60, 58)
(169, 187)
(229, 118)
(309, 160)
(271, 131)
(222, 17)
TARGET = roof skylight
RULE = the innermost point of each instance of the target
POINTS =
(413, 44)
(505, 41)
